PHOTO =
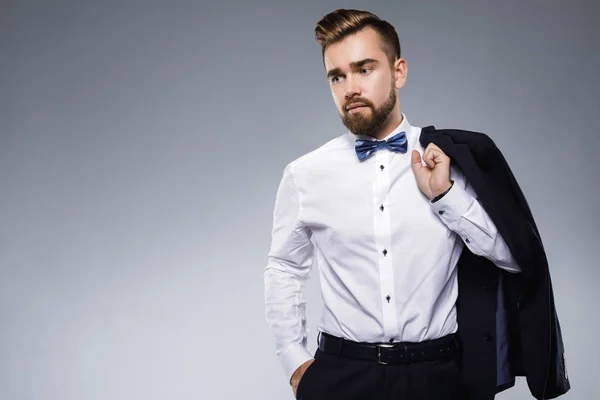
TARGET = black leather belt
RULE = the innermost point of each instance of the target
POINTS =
(391, 353)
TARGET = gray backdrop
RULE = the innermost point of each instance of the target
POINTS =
(141, 145)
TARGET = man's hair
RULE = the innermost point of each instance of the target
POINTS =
(341, 23)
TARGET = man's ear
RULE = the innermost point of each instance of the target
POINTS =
(400, 68)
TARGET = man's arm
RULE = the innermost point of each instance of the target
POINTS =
(459, 209)
(463, 214)
(289, 263)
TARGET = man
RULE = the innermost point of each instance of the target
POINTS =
(390, 224)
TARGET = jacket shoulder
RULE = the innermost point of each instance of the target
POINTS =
(459, 136)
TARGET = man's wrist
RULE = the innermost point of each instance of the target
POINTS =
(439, 196)
(292, 357)
(299, 372)
(295, 375)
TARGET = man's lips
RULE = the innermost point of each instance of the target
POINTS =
(355, 107)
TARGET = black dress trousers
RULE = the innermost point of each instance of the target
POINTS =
(334, 377)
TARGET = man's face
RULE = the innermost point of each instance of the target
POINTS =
(363, 84)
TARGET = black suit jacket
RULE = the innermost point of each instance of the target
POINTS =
(506, 321)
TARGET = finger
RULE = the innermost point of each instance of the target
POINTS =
(437, 150)
(420, 171)
(417, 165)
(428, 157)
(439, 157)
(434, 146)
(435, 156)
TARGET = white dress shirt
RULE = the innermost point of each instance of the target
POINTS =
(385, 254)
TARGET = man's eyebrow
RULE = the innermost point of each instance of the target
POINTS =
(354, 65)
(362, 63)
(334, 72)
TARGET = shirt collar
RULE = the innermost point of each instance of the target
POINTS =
(404, 126)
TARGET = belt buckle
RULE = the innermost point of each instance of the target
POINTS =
(379, 346)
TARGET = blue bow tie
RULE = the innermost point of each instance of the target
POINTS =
(364, 148)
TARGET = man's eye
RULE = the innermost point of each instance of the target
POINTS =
(365, 70)
(335, 79)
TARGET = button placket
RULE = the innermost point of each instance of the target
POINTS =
(383, 243)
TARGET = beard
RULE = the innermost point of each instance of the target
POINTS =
(361, 124)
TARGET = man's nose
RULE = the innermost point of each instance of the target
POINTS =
(352, 88)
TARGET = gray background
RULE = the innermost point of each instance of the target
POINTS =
(141, 145)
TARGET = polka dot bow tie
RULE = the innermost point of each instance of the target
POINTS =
(364, 148)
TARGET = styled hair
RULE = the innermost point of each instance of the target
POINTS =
(341, 23)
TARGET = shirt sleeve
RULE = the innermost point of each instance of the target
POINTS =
(463, 214)
(289, 264)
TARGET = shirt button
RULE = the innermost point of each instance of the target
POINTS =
(381, 207)
(488, 337)
(388, 298)
(381, 166)
(392, 340)
(467, 240)
(384, 252)
(441, 212)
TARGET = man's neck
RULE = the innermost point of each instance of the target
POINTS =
(394, 120)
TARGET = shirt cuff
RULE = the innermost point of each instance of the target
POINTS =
(292, 357)
(453, 205)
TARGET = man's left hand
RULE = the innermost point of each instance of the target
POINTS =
(433, 178)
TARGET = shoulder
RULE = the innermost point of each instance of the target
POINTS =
(318, 156)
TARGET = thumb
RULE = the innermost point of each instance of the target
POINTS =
(417, 165)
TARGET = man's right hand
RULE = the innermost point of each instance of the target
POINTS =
(297, 375)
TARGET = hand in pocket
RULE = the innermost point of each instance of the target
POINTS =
(298, 374)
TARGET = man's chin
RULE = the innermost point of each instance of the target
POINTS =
(360, 118)
(356, 124)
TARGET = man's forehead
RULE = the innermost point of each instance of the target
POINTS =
(362, 45)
